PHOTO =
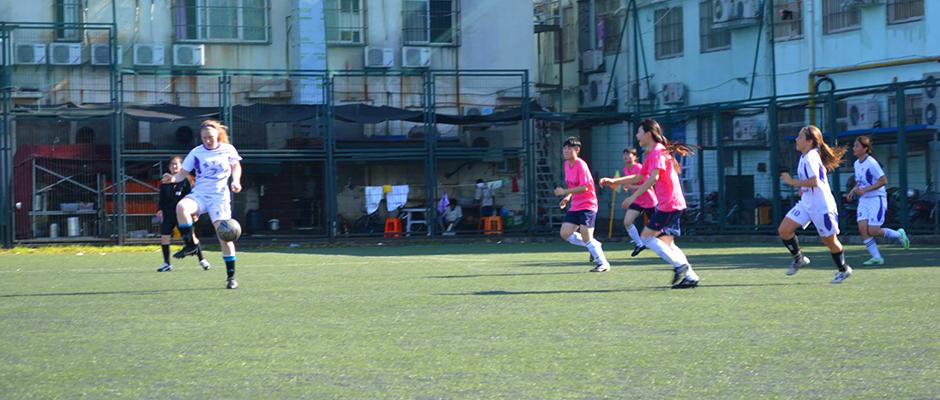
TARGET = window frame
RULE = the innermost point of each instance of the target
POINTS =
(569, 33)
(828, 15)
(892, 4)
(428, 24)
(707, 31)
(778, 22)
(59, 13)
(362, 29)
(203, 16)
(659, 28)
(913, 110)
(612, 24)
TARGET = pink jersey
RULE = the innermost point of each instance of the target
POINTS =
(579, 175)
(645, 200)
(668, 188)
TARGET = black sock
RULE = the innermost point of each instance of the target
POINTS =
(199, 252)
(229, 266)
(186, 232)
(839, 259)
(793, 245)
(166, 253)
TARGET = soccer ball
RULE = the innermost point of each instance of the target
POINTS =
(229, 230)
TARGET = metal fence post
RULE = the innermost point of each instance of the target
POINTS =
(902, 154)
(774, 138)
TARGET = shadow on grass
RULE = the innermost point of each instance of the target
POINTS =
(516, 274)
(129, 292)
(637, 289)
(820, 257)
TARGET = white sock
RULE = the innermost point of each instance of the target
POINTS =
(595, 248)
(891, 233)
(635, 235)
(664, 252)
(691, 275)
(872, 247)
(677, 252)
(575, 239)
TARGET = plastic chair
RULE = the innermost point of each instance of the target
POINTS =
(392, 227)
(492, 225)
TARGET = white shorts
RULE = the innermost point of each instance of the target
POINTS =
(827, 224)
(872, 209)
(217, 205)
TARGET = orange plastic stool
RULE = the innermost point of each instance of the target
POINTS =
(392, 227)
(492, 225)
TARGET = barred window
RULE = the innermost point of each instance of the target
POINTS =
(222, 20)
(668, 32)
(430, 21)
(68, 12)
(913, 110)
(345, 21)
(711, 38)
(788, 20)
(608, 25)
(900, 11)
(838, 19)
(569, 34)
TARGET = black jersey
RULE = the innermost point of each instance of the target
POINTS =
(172, 193)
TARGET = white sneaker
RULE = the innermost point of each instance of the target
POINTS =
(875, 261)
(204, 264)
(601, 268)
(843, 275)
(797, 264)
(165, 268)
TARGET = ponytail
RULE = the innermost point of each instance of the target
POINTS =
(831, 156)
(675, 148)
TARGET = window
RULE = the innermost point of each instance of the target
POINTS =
(68, 12)
(345, 21)
(788, 20)
(668, 32)
(430, 21)
(913, 110)
(839, 19)
(608, 25)
(710, 38)
(905, 11)
(569, 34)
(222, 20)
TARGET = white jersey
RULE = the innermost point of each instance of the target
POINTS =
(866, 174)
(815, 200)
(213, 168)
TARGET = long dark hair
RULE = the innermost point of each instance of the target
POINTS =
(674, 148)
(865, 141)
(831, 156)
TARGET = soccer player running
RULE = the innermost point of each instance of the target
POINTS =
(170, 195)
(816, 203)
(215, 161)
(583, 199)
(872, 200)
(644, 204)
(661, 172)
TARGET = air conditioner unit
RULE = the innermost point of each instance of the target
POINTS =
(645, 88)
(149, 55)
(488, 138)
(189, 55)
(674, 93)
(101, 54)
(65, 53)
(595, 91)
(415, 57)
(932, 98)
(862, 114)
(29, 53)
(379, 57)
(722, 11)
(749, 128)
(860, 3)
(477, 111)
(747, 9)
(592, 60)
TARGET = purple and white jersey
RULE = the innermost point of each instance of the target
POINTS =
(866, 174)
(213, 167)
(815, 200)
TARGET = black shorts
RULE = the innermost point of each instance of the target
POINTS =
(581, 217)
(642, 210)
(168, 223)
(666, 222)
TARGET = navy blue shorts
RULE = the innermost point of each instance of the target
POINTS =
(647, 211)
(168, 223)
(666, 222)
(581, 217)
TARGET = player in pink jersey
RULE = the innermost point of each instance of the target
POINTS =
(578, 227)
(662, 170)
(644, 204)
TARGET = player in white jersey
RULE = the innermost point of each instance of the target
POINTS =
(214, 161)
(816, 203)
(870, 181)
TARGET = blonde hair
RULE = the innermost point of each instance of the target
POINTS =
(831, 156)
(222, 129)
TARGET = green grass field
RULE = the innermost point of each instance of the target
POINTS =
(468, 321)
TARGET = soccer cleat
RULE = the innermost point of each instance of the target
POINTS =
(591, 259)
(905, 241)
(679, 273)
(686, 283)
(637, 250)
(601, 268)
(205, 265)
(231, 283)
(797, 264)
(875, 261)
(165, 268)
(187, 250)
(843, 275)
